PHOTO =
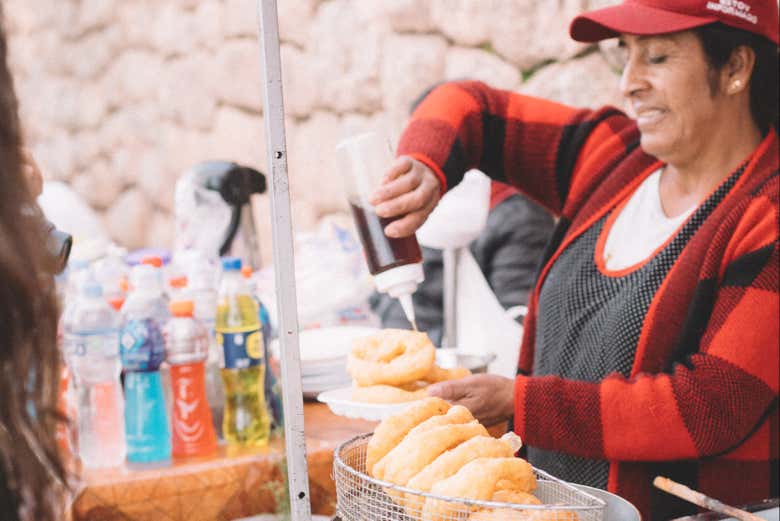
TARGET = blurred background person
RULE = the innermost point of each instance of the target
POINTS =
(32, 475)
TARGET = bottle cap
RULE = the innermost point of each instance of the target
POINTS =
(231, 264)
(178, 282)
(124, 284)
(401, 280)
(116, 302)
(152, 260)
(181, 308)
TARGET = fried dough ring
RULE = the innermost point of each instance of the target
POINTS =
(386, 394)
(439, 374)
(394, 428)
(450, 462)
(477, 480)
(391, 357)
(420, 448)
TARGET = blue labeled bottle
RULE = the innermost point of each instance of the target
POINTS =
(142, 349)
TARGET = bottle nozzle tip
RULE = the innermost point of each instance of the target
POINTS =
(408, 307)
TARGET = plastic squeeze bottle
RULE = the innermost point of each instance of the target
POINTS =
(395, 263)
(186, 345)
(246, 421)
(142, 347)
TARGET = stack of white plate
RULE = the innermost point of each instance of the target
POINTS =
(324, 357)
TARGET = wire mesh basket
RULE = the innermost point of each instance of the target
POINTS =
(360, 497)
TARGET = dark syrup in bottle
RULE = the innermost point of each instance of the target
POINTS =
(382, 252)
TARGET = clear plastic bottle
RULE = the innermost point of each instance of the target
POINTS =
(110, 271)
(273, 390)
(246, 420)
(203, 292)
(187, 344)
(91, 339)
(144, 314)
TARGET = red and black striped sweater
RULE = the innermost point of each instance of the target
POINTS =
(701, 401)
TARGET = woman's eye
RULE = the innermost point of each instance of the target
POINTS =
(657, 59)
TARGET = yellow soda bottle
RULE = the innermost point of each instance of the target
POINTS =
(246, 421)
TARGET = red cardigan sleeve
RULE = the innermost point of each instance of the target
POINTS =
(531, 143)
(708, 404)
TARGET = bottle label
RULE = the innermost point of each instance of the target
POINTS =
(102, 345)
(146, 418)
(141, 345)
(242, 349)
(193, 432)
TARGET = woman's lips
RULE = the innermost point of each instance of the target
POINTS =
(649, 117)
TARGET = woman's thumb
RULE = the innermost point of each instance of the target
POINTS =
(444, 390)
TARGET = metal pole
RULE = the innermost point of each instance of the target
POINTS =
(284, 264)
(449, 296)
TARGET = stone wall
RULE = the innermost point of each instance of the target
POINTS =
(119, 97)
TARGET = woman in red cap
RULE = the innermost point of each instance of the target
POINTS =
(651, 346)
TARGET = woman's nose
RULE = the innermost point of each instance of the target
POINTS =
(631, 81)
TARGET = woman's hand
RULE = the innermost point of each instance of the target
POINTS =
(409, 190)
(489, 397)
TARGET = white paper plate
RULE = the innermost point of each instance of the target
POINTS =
(341, 403)
(327, 345)
(338, 366)
(341, 378)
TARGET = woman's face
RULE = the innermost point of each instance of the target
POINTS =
(665, 81)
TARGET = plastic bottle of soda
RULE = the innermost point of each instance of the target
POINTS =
(273, 390)
(144, 314)
(91, 341)
(187, 344)
(246, 420)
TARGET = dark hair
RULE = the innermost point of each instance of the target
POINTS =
(719, 42)
(32, 475)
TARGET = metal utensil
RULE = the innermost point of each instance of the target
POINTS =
(702, 500)
(448, 357)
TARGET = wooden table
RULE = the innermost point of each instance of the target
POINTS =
(223, 487)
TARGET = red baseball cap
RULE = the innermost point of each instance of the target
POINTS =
(646, 17)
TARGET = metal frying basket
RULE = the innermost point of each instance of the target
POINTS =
(362, 498)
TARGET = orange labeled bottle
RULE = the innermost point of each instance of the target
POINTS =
(187, 343)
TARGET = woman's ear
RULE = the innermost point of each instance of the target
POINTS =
(738, 70)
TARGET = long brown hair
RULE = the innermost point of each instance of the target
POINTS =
(32, 475)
